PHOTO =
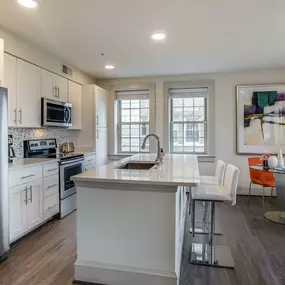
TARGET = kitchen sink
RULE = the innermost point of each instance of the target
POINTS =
(137, 165)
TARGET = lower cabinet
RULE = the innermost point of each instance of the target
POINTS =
(35, 204)
(18, 211)
(35, 200)
(90, 162)
(26, 208)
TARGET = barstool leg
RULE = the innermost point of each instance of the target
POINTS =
(249, 191)
(209, 254)
(193, 218)
(263, 202)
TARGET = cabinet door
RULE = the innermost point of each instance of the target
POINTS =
(48, 85)
(35, 203)
(101, 146)
(1, 62)
(101, 107)
(28, 95)
(61, 84)
(75, 98)
(18, 211)
(10, 72)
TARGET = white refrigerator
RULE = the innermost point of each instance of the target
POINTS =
(94, 122)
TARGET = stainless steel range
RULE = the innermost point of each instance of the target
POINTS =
(70, 164)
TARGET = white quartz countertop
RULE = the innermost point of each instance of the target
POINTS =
(26, 162)
(175, 170)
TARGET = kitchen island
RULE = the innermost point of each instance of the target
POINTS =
(131, 219)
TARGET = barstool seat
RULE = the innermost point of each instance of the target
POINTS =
(218, 179)
(205, 192)
(208, 253)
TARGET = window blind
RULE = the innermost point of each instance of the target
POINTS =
(188, 92)
(132, 95)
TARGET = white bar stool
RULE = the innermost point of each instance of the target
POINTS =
(208, 254)
(218, 179)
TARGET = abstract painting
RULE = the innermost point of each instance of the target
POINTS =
(260, 118)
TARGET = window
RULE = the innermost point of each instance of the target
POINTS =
(188, 120)
(133, 120)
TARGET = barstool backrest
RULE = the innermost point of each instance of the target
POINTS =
(220, 172)
(231, 181)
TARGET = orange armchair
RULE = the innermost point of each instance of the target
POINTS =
(262, 178)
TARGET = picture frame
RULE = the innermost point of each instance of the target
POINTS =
(260, 118)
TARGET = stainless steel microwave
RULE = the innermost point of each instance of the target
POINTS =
(56, 113)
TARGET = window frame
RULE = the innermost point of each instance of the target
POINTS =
(120, 123)
(185, 123)
(210, 113)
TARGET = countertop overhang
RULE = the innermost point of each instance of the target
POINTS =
(175, 170)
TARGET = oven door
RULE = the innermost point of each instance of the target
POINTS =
(67, 170)
(56, 113)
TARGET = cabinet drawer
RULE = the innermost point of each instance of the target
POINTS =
(50, 169)
(90, 159)
(51, 206)
(51, 185)
(24, 175)
(89, 167)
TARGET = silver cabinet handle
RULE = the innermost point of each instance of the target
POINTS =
(58, 92)
(97, 120)
(25, 177)
(15, 115)
(31, 193)
(26, 191)
(51, 186)
(49, 208)
(54, 92)
(20, 116)
(97, 134)
(49, 170)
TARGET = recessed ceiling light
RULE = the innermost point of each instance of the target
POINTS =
(28, 3)
(109, 66)
(158, 36)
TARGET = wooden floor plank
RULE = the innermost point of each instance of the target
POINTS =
(47, 256)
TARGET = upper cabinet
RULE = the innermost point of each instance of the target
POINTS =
(10, 82)
(1, 62)
(75, 98)
(28, 95)
(101, 107)
(54, 86)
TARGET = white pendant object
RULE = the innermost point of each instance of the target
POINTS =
(272, 162)
(280, 159)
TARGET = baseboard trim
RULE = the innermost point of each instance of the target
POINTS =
(102, 274)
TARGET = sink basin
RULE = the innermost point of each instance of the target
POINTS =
(137, 165)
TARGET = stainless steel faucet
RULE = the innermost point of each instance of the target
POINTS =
(158, 157)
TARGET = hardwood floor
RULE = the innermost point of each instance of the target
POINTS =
(257, 245)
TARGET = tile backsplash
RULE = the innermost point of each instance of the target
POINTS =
(19, 135)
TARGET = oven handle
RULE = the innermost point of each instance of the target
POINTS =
(71, 162)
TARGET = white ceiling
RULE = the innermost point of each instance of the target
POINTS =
(202, 35)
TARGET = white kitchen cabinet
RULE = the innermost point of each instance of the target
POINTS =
(10, 82)
(75, 98)
(101, 107)
(101, 146)
(54, 86)
(94, 122)
(62, 86)
(1, 62)
(35, 204)
(18, 200)
(26, 208)
(28, 95)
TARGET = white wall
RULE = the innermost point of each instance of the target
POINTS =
(225, 104)
(19, 47)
